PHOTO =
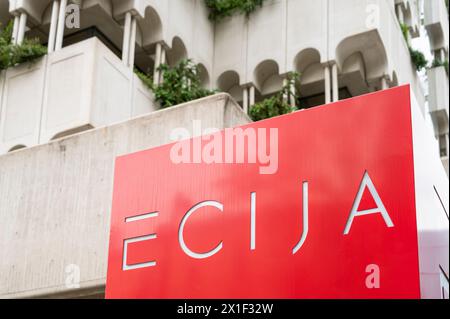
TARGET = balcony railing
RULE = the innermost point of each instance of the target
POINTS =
(82, 86)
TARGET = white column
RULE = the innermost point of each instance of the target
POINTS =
(163, 56)
(245, 100)
(22, 27)
(53, 26)
(442, 54)
(189, 81)
(15, 29)
(334, 72)
(132, 43)
(400, 17)
(163, 61)
(61, 25)
(384, 84)
(126, 38)
(251, 97)
(157, 64)
(327, 84)
(285, 95)
(292, 100)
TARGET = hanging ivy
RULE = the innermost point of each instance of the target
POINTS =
(14, 54)
(277, 104)
(220, 9)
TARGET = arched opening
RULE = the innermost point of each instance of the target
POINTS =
(353, 77)
(267, 79)
(150, 31)
(229, 82)
(204, 76)
(311, 88)
(305, 59)
(72, 131)
(177, 52)
(16, 148)
(362, 60)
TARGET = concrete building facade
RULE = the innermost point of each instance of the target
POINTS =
(340, 48)
(86, 82)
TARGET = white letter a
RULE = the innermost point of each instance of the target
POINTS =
(367, 182)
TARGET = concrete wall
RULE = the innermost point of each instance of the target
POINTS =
(55, 199)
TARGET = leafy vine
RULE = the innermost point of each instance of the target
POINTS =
(277, 104)
(220, 9)
(180, 84)
(14, 54)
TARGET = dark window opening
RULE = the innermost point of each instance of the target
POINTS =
(306, 102)
(90, 33)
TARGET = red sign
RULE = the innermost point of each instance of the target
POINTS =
(329, 214)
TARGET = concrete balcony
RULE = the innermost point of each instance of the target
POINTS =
(410, 15)
(80, 87)
(438, 104)
(374, 32)
(436, 23)
(438, 98)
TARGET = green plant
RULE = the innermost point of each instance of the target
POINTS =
(28, 51)
(418, 59)
(180, 84)
(277, 104)
(6, 34)
(145, 78)
(220, 9)
(14, 54)
(405, 30)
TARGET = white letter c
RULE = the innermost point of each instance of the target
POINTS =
(183, 246)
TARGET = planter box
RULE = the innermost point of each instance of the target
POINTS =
(21, 93)
(438, 98)
(80, 87)
(86, 86)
